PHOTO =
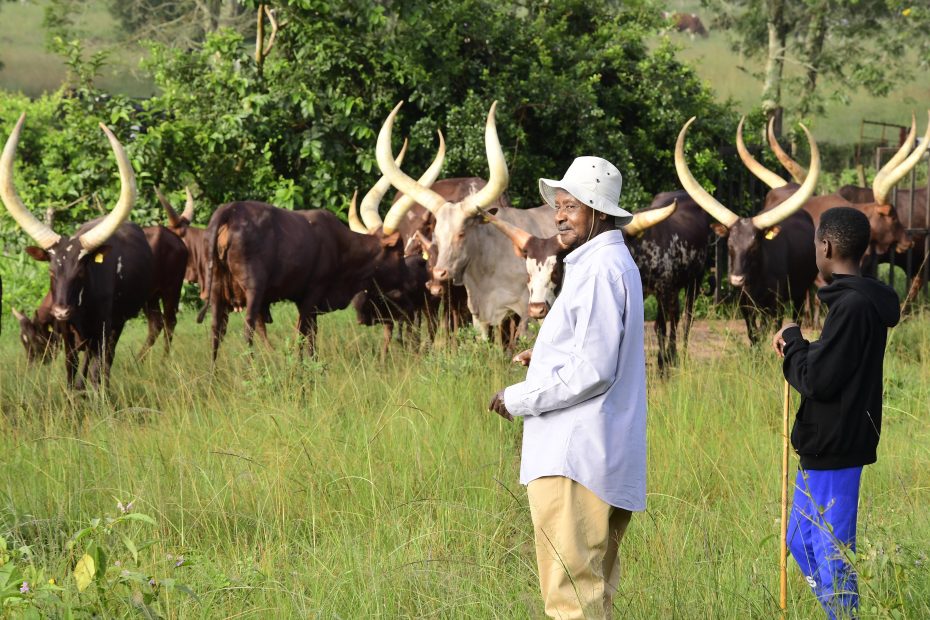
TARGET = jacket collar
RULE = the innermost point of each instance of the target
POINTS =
(580, 254)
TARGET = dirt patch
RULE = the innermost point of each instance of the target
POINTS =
(707, 340)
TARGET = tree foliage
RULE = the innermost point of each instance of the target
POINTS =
(840, 46)
(572, 77)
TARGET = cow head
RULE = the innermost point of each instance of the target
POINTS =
(745, 236)
(178, 224)
(453, 220)
(37, 334)
(543, 267)
(68, 256)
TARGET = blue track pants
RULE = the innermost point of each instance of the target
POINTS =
(821, 534)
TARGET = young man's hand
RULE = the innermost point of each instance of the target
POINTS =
(523, 357)
(778, 341)
(497, 406)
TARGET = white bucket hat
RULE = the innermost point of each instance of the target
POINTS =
(595, 182)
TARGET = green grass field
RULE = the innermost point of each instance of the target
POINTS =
(346, 487)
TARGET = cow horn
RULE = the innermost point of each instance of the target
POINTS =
(900, 155)
(369, 209)
(761, 172)
(173, 218)
(399, 209)
(517, 235)
(188, 205)
(355, 224)
(775, 215)
(18, 315)
(497, 165)
(883, 183)
(427, 244)
(42, 233)
(796, 170)
(647, 219)
(694, 189)
(423, 195)
(97, 236)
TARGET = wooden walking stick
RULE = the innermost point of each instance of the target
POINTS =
(783, 599)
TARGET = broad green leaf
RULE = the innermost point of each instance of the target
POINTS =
(131, 546)
(84, 572)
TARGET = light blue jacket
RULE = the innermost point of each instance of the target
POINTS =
(584, 398)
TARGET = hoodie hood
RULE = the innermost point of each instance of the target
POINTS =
(882, 297)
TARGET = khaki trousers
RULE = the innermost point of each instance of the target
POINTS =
(577, 539)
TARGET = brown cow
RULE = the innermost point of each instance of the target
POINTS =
(38, 333)
(171, 261)
(686, 22)
(194, 238)
(771, 254)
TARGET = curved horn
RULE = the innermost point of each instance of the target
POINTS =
(887, 178)
(369, 209)
(899, 156)
(517, 235)
(647, 219)
(188, 206)
(425, 243)
(694, 189)
(173, 218)
(775, 215)
(423, 195)
(796, 170)
(42, 233)
(18, 315)
(497, 164)
(761, 172)
(355, 224)
(399, 209)
(97, 236)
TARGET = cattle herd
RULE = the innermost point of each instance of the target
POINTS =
(447, 252)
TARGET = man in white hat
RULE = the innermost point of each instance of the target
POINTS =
(584, 399)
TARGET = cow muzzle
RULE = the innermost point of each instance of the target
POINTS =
(737, 280)
(538, 310)
(435, 288)
(442, 275)
(61, 313)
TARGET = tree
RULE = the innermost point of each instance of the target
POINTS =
(840, 46)
(182, 23)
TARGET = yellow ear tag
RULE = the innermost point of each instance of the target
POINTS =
(425, 256)
(98, 258)
(770, 234)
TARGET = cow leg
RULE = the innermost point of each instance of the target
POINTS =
(388, 330)
(690, 296)
(108, 354)
(156, 323)
(220, 320)
(170, 304)
(749, 316)
(71, 360)
(306, 325)
(674, 315)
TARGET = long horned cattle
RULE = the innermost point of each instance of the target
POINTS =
(100, 276)
(260, 254)
(411, 303)
(886, 228)
(468, 252)
(194, 238)
(771, 254)
(668, 241)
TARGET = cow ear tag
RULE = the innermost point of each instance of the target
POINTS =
(98, 257)
(772, 232)
(425, 255)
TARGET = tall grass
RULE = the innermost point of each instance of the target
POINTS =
(346, 487)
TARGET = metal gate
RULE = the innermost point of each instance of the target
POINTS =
(912, 204)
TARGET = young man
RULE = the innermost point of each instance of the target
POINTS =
(839, 421)
(584, 399)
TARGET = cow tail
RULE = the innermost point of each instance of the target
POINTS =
(216, 222)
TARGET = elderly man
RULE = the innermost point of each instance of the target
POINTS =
(584, 399)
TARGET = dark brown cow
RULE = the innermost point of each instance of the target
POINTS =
(771, 254)
(100, 275)
(686, 22)
(194, 238)
(171, 261)
(38, 333)
(260, 254)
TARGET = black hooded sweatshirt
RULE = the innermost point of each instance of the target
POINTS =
(839, 376)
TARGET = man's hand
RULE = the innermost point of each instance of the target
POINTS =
(778, 341)
(523, 358)
(497, 406)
